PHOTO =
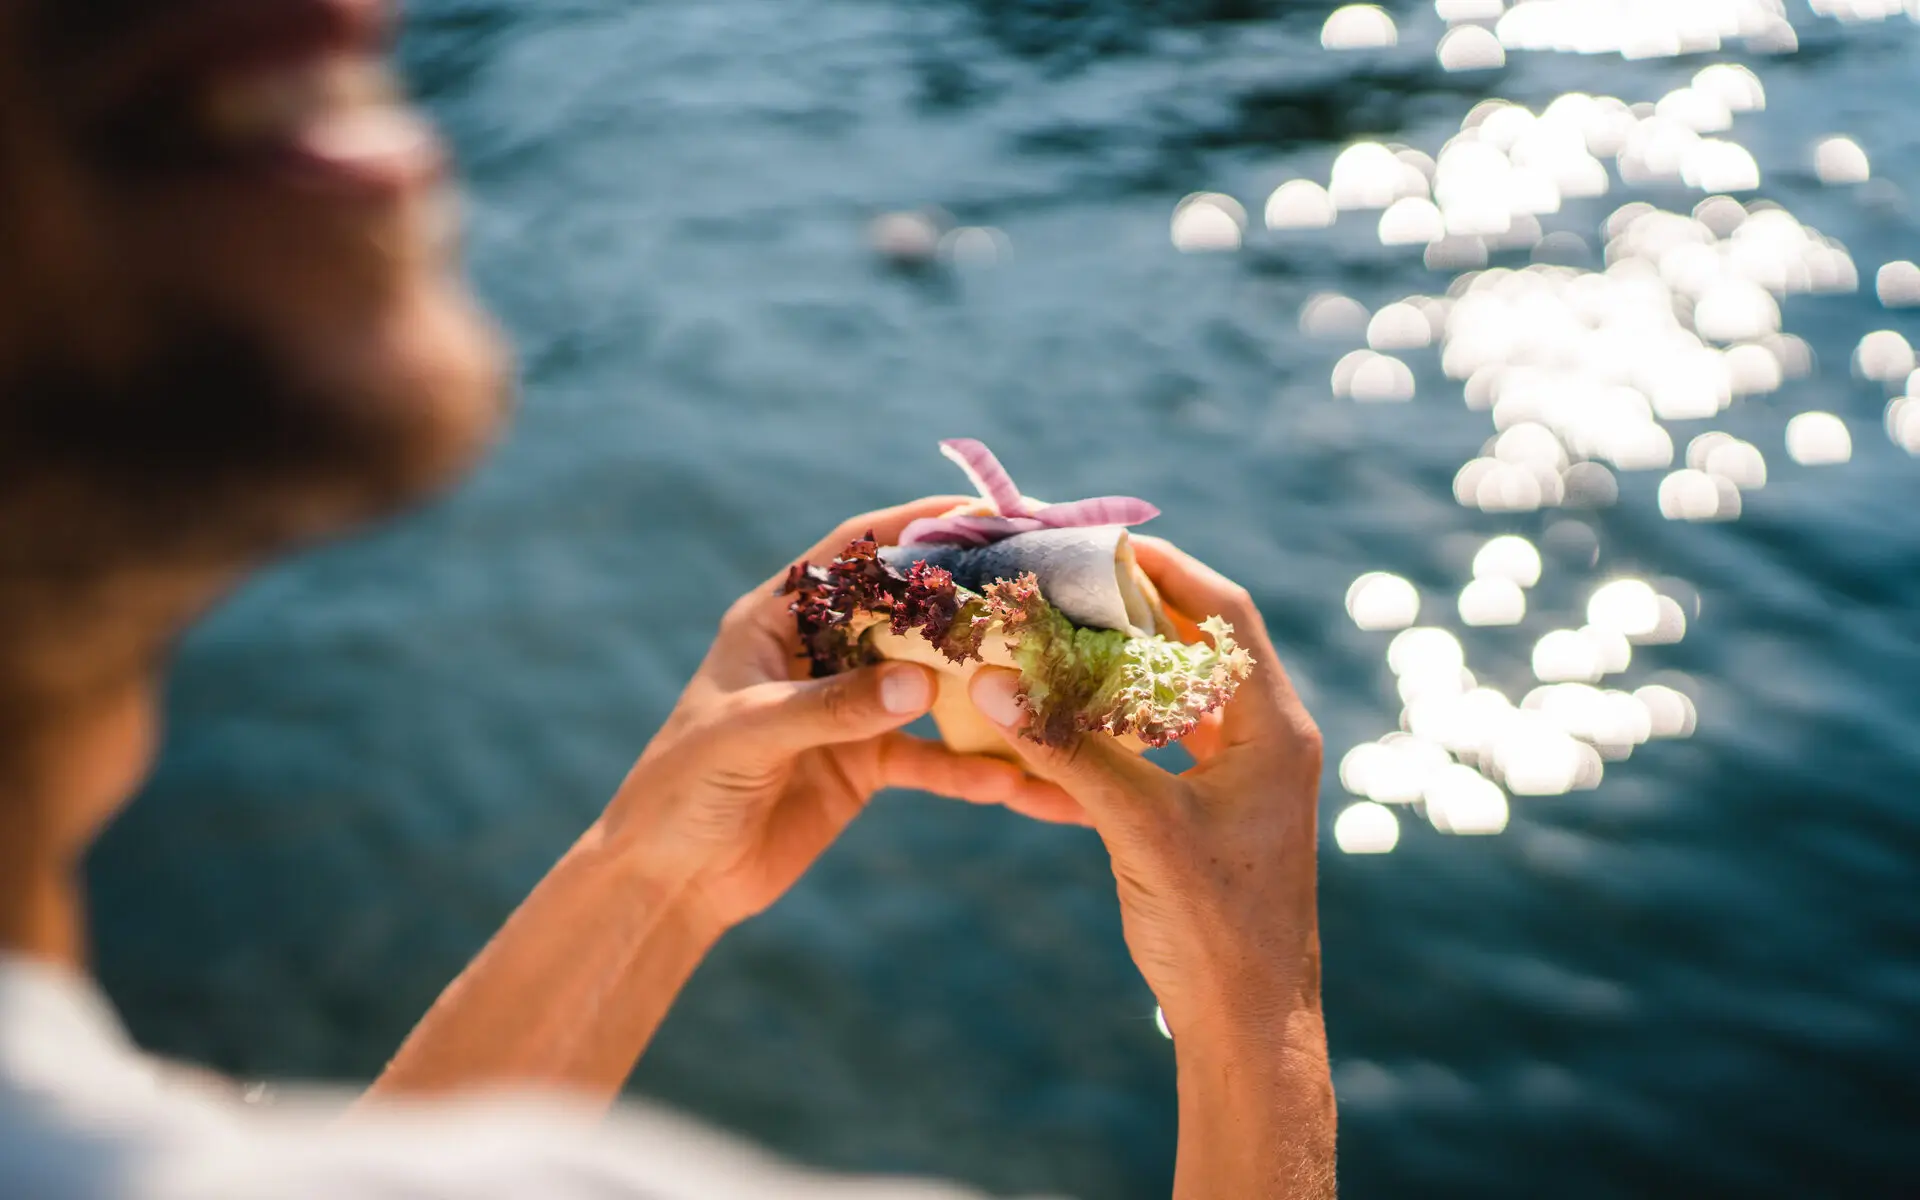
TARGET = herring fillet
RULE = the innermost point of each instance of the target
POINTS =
(1088, 574)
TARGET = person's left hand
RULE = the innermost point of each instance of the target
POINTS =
(758, 769)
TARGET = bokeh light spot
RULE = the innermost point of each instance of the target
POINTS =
(1818, 439)
(1840, 160)
(1379, 601)
(1208, 221)
(1358, 27)
(1366, 828)
(1300, 204)
(1492, 602)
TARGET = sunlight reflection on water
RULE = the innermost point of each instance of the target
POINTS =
(1581, 368)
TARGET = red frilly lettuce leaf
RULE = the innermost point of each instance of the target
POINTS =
(829, 602)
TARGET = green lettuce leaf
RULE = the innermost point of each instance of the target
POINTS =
(1078, 680)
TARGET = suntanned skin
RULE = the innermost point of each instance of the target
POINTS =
(1216, 876)
(204, 365)
(752, 778)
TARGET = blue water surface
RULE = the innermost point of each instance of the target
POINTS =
(1700, 979)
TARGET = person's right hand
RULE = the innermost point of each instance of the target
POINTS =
(1215, 866)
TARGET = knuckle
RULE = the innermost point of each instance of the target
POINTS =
(1312, 743)
(1248, 617)
(1238, 604)
(1261, 644)
(842, 700)
(736, 709)
(742, 612)
(695, 737)
(1180, 822)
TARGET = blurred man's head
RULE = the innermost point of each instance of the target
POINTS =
(229, 315)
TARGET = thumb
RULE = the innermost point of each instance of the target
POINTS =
(792, 717)
(1117, 787)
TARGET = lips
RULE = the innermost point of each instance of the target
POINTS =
(331, 111)
(295, 89)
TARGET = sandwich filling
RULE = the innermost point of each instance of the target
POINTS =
(1051, 590)
(1073, 679)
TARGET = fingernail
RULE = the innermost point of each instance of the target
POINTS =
(906, 690)
(996, 695)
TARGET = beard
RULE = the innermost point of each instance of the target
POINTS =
(215, 454)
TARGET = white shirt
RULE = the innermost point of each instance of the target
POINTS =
(85, 1116)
